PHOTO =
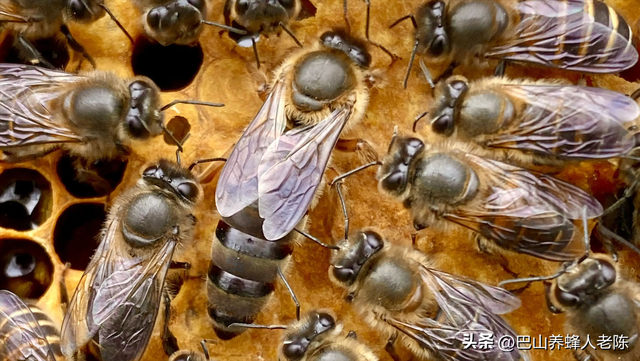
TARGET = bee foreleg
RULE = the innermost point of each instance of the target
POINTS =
(30, 53)
(293, 295)
(501, 68)
(169, 341)
(73, 43)
(391, 349)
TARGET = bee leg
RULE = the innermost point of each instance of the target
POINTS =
(180, 265)
(30, 53)
(606, 236)
(64, 294)
(293, 295)
(255, 51)
(581, 355)
(73, 43)
(361, 147)
(393, 56)
(446, 73)
(500, 259)
(547, 290)
(390, 348)
(169, 341)
(347, 24)
(635, 95)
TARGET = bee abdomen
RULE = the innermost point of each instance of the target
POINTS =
(12, 334)
(545, 237)
(241, 276)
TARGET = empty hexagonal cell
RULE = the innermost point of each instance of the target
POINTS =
(90, 180)
(171, 67)
(75, 236)
(179, 127)
(25, 199)
(26, 268)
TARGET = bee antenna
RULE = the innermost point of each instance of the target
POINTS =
(606, 233)
(286, 30)
(316, 240)
(354, 171)
(415, 121)
(205, 350)
(180, 148)
(411, 59)
(563, 270)
(175, 140)
(343, 204)
(410, 16)
(225, 27)
(106, 9)
(253, 325)
(587, 234)
(635, 95)
(393, 57)
(193, 102)
(207, 160)
(427, 73)
(293, 295)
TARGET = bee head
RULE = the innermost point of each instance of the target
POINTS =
(449, 94)
(353, 48)
(354, 256)
(296, 344)
(267, 13)
(167, 174)
(431, 35)
(394, 174)
(144, 118)
(178, 22)
(85, 11)
(589, 277)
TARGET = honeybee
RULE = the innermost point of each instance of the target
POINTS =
(598, 303)
(90, 115)
(397, 292)
(578, 35)
(176, 21)
(118, 298)
(270, 179)
(32, 20)
(27, 332)
(261, 17)
(534, 121)
(518, 210)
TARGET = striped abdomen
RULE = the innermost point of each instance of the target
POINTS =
(23, 333)
(243, 270)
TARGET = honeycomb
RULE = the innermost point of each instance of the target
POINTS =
(63, 224)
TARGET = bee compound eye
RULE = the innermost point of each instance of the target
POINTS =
(458, 85)
(343, 274)
(326, 320)
(154, 16)
(608, 272)
(373, 241)
(567, 299)
(443, 124)
(293, 350)
(438, 45)
(199, 4)
(150, 171)
(136, 128)
(188, 190)
(287, 4)
(78, 10)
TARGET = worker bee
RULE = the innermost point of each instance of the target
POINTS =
(397, 292)
(32, 20)
(114, 308)
(27, 332)
(89, 115)
(578, 35)
(535, 121)
(317, 337)
(518, 210)
(176, 21)
(598, 304)
(270, 179)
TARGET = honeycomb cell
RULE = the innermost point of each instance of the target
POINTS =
(95, 180)
(179, 127)
(75, 236)
(26, 268)
(171, 67)
(25, 199)
(54, 50)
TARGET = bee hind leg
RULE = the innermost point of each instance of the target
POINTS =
(361, 147)
(391, 349)
(169, 341)
(73, 43)
(484, 248)
(30, 53)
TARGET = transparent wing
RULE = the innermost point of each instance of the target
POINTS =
(552, 33)
(117, 301)
(467, 310)
(22, 336)
(291, 171)
(238, 183)
(570, 121)
(25, 96)
(525, 211)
